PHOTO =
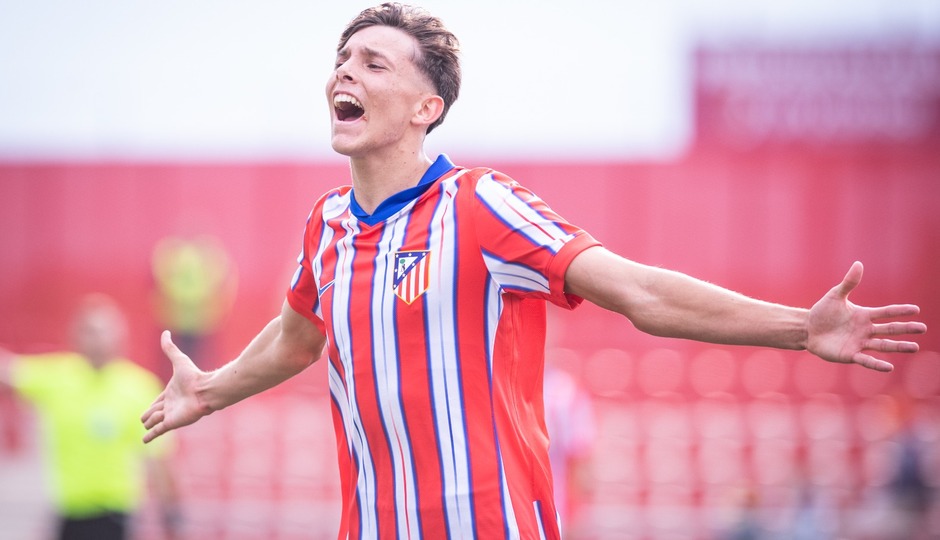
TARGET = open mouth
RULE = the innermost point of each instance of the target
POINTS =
(347, 108)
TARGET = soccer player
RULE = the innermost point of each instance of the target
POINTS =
(426, 284)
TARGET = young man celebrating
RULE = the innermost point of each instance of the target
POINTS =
(426, 283)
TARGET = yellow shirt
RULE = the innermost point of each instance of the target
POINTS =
(91, 425)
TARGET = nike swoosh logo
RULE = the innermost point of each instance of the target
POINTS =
(324, 288)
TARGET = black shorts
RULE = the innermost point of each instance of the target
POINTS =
(108, 526)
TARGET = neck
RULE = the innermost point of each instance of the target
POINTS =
(97, 361)
(376, 178)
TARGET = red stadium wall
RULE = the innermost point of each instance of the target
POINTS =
(782, 226)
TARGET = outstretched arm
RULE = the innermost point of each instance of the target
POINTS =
(670, 304)
(284, 348)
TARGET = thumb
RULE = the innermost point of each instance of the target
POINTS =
(171, 351)
(851, 280)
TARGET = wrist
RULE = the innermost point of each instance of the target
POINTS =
(802, 336)
(208, 398)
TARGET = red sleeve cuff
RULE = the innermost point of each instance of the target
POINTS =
(559, 267)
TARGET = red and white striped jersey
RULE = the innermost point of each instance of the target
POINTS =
(434, 311)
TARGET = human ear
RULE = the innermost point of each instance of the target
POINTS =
(429, 110)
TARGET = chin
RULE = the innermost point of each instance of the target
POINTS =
(343, 147)
(347, 144)
(341, 150)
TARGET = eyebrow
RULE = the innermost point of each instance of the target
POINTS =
(369, 53)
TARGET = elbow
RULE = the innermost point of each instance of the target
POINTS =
(295, 360)
(309, 358)
(298, 342)
(302, 352)
(651, 328)
(645, 314)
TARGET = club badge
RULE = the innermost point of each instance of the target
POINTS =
(412, 274)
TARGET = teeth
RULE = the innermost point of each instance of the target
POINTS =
(346, 98)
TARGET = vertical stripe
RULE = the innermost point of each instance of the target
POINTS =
(426, 279)
(493, 310)
(366, 482)
(341, 399)
(538, 519)
(387, 367)
(297, 273)
(444, 360)
(333, 207)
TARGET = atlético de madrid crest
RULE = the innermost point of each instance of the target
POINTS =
(412, 274)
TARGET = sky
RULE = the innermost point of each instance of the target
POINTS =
(235, 79)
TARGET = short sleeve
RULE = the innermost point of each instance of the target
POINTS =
(303, 294)
(34, 376)
(526, 246)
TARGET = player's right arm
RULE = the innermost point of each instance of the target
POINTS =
(670, 304)
(284, 348)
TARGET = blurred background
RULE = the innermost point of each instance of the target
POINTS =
(168, 154)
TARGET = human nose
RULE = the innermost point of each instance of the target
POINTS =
(344, 73)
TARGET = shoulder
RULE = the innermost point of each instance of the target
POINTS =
(480, 179)
(476, 174)
(337, 197)
(330, 205)
(42, 376)
(53, 361)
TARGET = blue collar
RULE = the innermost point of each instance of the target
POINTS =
(396, 202)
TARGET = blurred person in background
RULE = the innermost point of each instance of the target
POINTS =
(909, 492)
(569, 418)
(903, 504)
(748, 522)
(427, 283)
(195, 286)
(88, 402)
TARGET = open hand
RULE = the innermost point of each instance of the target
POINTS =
(178, 405)
(840, 331)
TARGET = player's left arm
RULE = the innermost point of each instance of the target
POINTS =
(671, 304)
